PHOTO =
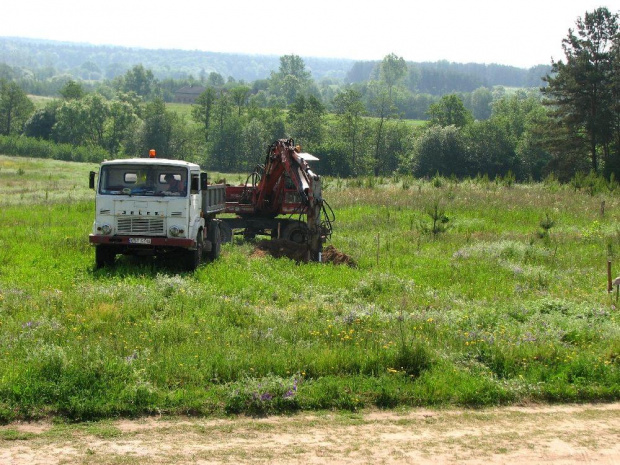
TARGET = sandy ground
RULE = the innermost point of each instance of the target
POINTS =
(528, 435)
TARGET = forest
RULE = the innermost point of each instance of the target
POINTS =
(360, 118)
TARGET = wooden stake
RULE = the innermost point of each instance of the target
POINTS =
(609, 286)
(603, 208)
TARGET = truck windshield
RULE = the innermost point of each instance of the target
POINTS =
(152, 180)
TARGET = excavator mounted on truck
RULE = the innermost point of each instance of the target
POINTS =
(276, 198)
(139, 212)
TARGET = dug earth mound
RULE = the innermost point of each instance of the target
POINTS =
(279, 248)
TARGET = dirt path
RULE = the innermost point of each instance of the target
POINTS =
(528, 435)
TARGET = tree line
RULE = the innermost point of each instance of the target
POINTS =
(38, 60)
(571, 124)
(40, 65)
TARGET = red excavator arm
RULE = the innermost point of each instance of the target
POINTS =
(284, 185)
(284, 162)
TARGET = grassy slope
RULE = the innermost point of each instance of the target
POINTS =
(486, 313)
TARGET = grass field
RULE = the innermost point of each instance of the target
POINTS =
(494, 310)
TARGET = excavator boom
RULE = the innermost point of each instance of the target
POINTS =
(284, 185)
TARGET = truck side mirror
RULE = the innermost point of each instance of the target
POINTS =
(91, 180)
(203, 181)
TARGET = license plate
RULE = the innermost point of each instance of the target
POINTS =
(139, 240)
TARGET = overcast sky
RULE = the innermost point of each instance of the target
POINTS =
(517, 32)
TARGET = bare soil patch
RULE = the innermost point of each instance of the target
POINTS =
(522, 435)
(279, 248)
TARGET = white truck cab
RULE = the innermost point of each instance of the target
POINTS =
(155, 206)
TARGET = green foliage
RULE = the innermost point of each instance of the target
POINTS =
(41, 122)
(254, 137)
(450, 111)
(440, 150)
(226, 139)
(365, 135)
(72, 91)
(15, 108)
(392, 70)
(306, 120)
(291, 79)
(202, 110)
(29, 147)
(582, 90)
(165, 131)
(491, 149)
(509, 180)
(481, 103)
(438, 219)
(513, 137)
(139, 80)
(545, 225)
(261, 396)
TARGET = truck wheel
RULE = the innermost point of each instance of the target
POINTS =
(296, 232)
(194, 257)
(215, 237)
(104, 256)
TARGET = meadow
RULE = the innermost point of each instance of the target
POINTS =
(470, 293)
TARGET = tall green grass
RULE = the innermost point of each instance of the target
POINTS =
(484, 313)
(22, 146)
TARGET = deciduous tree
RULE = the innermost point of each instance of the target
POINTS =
(254, 143)
(291, 79)
(72, 90)
(381, 103)
(138, 80)
(350, 110)
(121, 122)
(450, 111)
(306, 120)
(157, 130)
(41, 122)
(71, 123)
(440, 150)
(239, 95)
(15, 108)
(202, 110)
(481, 100)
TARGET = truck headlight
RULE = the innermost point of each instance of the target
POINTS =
(106, 229)
(174, 231)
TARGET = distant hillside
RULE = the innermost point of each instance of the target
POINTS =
(44, 59)
(441, 77)
(106, 62)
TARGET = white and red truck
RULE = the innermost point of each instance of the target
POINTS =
(156, 206)
(152, 206)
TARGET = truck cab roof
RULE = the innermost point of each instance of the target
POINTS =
(153, 161)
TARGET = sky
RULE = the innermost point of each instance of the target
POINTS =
(521, 33)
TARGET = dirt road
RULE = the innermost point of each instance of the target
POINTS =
(528, 435)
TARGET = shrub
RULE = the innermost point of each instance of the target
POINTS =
(270, 394)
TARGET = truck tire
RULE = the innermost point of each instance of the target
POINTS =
(194, 257)
(295, 231)
(104, 256)
(215, 236)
